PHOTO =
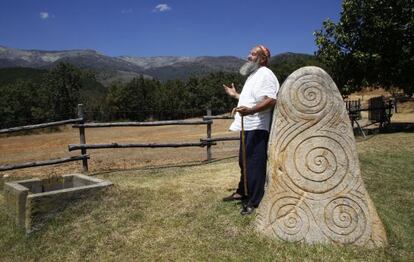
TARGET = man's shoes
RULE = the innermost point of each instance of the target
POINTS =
(233, 197)
(247, 210)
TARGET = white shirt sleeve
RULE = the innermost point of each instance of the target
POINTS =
(267, 86)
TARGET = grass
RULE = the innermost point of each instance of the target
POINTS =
(177, 214)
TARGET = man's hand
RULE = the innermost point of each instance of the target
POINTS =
(265, 104)
(231, 91)
(244, 111)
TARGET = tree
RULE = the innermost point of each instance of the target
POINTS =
(32, 96)
(64, 84)
(143, 99)
(372, 44)
(113, 102)
(92, 95)
(16, 104)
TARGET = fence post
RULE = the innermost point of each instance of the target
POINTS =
(395, 105)
(82, 137)
(209, 136)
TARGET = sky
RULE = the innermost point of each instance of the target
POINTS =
(165, 28)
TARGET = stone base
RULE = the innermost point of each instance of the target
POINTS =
(32, 202)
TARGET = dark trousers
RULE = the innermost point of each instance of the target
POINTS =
(256, 155)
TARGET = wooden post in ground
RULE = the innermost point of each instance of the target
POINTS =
(82, 137)
(209, 136)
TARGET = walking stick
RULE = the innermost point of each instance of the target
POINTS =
(244, 156)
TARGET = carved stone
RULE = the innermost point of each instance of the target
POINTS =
(314, 191)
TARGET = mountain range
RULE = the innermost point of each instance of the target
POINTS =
(122, 68)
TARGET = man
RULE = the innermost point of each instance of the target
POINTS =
(256, 102)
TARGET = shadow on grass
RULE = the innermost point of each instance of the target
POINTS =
(166, 166)
(389, 129)
(398, 127)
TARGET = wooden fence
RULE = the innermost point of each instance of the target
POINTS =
(80, 123)
(83, 157)
(204, 142)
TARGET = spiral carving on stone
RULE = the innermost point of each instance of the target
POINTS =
(318, 165)
(308, 96)
(289, 221)
(345, 219)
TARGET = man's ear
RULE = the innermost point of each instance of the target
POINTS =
(263, 60)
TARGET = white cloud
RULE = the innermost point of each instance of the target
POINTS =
(44, 15)
(126, 11)
(162, 8)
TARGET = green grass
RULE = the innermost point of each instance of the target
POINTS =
(177, 214)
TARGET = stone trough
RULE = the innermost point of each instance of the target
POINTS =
(32, 202)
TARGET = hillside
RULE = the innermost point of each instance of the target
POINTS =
(122, 68)
(11, 75)
(289, 56)
(195, 67)
(286, 63)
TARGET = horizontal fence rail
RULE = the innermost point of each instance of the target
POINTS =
(44, 125)
(147, 145)
(43, 163)
(156, 123)
(218, 139)
(217, 117)
(373, 109)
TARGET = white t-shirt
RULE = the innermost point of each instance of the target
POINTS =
(259, 84)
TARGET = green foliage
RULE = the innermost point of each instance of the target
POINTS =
(35, 96)
(372, 44)
(63, 84)
(285, 64)
(133, 100)
(92, 94)
(207, 92)
(11, 75)
(144, 99)
(17, 102)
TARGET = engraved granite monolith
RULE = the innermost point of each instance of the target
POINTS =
(314, 191)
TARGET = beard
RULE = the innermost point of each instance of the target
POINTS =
(248, 68)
